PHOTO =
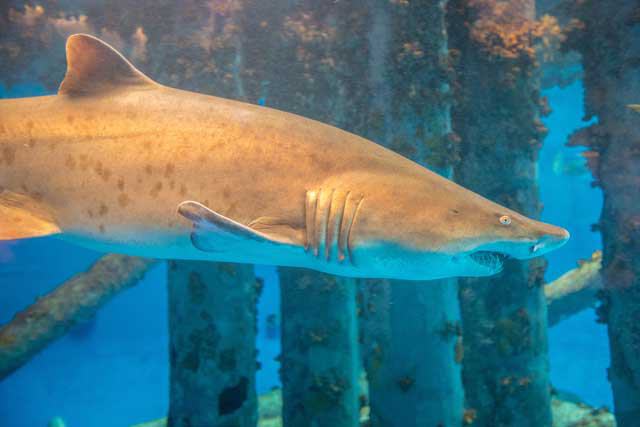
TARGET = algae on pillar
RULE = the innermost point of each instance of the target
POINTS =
(608, 37)
(212, 344)
(496, 115)
(320, 366)
(411, 330)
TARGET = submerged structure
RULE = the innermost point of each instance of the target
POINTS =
(608, 38)
(497, 118)
(452, 85)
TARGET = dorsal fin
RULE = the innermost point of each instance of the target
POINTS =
(95, 67)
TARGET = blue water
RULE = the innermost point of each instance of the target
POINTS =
(114, 371)
(578, 347)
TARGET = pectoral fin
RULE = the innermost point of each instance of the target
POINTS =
(213, 232)
(21, 217)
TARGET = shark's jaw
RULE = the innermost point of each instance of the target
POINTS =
(489, 261)
(468, 259)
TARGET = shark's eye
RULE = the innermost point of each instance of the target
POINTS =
(505, 220)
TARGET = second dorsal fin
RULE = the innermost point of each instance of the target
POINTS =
(94, 67)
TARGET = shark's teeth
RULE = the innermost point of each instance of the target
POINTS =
(536, 247)
(493, 261)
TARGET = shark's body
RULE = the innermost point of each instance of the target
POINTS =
(119, 163)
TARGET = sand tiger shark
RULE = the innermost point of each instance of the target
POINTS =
(120, 163)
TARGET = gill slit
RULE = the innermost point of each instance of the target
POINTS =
(338, 238)
(353, 218)
(310, 216)
(327, 227)
(329, 218)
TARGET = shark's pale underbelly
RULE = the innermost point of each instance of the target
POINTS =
(180, 247)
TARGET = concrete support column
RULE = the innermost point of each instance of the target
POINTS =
(413, 368)
(496, 117)
(609, 41)
(411, 330)
(320, 359)
(212, 329)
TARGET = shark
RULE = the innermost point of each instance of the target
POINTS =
(120, 163)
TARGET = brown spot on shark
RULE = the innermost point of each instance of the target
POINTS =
(103, 209)
(8, 154)
(169, 169)
(226, 193)
(123, 200)
(84, 162)
(157, 188)
(120, 184)
(106, 174)
(102, 171)
(70, 162)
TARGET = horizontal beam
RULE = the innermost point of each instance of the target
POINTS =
(574, 291)
(75, 301)
(79, 299)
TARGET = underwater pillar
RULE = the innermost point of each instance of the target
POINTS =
(309, 57)
(320, 359)
(411, 332)
(212, 331)
(609, 41)
(496, 115)
(413, 362)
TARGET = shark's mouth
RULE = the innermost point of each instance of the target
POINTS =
(490, 260)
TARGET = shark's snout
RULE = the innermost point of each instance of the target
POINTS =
(543, 238)
(552, 239)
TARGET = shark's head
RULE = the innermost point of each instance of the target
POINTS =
(495, 233)
(447, 232)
